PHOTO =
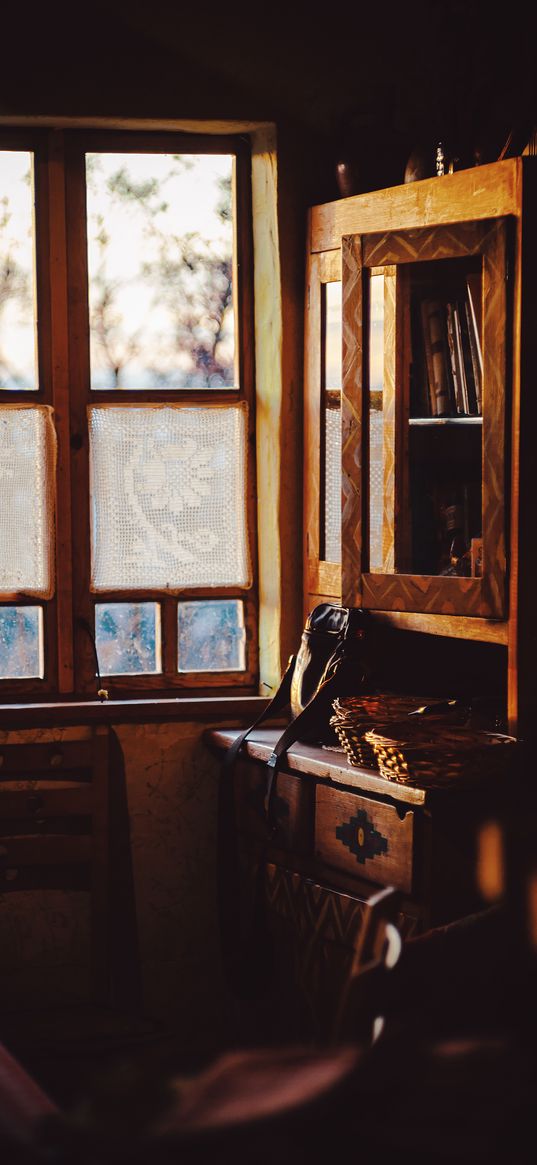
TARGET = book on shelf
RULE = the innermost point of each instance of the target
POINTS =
(471, 389)
(461, 360)
(473, 318)
(457, 372)
(436, 357)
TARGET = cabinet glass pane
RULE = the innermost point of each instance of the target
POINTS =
(211, 636)
(332, 344)
(21, 643)
(425, 433)
(445, 422)
(160, 269)
(168, 495)
(18, 338)
(127, 638)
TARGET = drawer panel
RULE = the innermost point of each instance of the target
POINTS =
(366, 838)
(293, 807)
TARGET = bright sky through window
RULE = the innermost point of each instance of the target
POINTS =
(18, 363)
(160, 258)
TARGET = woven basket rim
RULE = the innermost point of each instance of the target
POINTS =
(427, 736)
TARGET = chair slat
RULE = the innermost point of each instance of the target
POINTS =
(38, 803)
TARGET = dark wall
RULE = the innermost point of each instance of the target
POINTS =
(368, 82)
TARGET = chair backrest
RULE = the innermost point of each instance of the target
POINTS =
(377, 949)
(55, 827)
(315, 942)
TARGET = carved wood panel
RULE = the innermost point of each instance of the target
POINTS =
(351, 420)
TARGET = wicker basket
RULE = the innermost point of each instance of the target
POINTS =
(435, 756)
(355, 715)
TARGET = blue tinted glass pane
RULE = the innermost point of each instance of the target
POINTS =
(127, 636)
(211, 635)
(21, 642)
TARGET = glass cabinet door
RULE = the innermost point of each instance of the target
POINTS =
(423, 429)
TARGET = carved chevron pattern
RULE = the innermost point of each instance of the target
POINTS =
(494, 381)
(351, 421)
(442, 242)
(428, 593)
(312, 909)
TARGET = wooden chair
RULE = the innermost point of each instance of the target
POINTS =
(64, 826)
(314, 943)
(378, 947)
(24, 1107)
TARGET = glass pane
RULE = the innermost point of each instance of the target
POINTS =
(332, 484)
(160, 266)
(211, 636)
(27, 509)
(127, 637)
(376, 427)
(18, 350)
(21, 643)
(332, 335)
(445, 423)
(445, 497)
(435, 488)
(332, 341)
(168, 497)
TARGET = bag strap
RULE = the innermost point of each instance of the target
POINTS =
(306, 720)
(279, 701)
(240, 941)
(309, 718)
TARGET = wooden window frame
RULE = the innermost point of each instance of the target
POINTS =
(63, 350)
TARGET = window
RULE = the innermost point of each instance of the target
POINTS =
(127, 528)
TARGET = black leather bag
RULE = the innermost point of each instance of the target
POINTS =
(331, 661)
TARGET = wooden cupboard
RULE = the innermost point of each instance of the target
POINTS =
(420, 477)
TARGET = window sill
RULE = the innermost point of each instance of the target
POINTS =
(232, 709)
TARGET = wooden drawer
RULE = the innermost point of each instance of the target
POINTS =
(293, 807)
(366, 838)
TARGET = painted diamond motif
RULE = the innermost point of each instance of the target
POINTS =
(361, 838)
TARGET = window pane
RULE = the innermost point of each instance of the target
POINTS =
(18, 359)
(211, 636)
(168, 497)
(160, 261)
(127, 637)
(27, 492)
(21, 643)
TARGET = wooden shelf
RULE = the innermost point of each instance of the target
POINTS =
(433, 422)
